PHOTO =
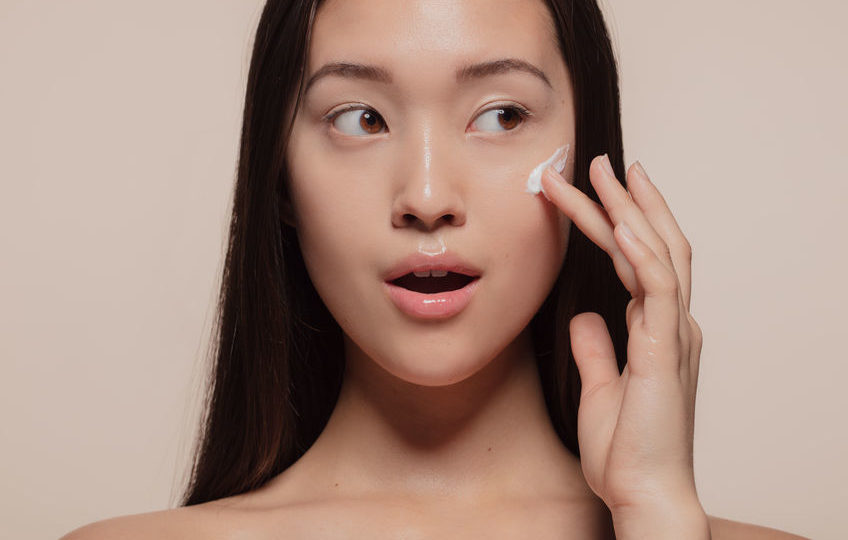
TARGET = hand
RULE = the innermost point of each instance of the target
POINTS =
(635, 430)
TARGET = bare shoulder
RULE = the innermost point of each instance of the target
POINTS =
(163, 524)
(202, 521)
(725, 529)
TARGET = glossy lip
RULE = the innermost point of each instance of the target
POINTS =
(435, 306)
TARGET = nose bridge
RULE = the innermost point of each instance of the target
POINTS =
(430, 189)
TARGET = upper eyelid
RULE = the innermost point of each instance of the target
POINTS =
(348, 107)
(524, 111)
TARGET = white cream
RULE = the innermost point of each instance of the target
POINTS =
(431, 249)
(558, 160)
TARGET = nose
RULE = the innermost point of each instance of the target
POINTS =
(429, 192)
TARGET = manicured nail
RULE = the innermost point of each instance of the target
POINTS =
(641, 170)
(607, 166)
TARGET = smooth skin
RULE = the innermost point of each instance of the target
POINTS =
(654, 395)
(441, 430)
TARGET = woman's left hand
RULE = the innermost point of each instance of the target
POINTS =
(635, 429)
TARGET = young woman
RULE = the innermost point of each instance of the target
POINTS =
(414, 342)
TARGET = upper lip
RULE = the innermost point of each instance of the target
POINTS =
(419, 262)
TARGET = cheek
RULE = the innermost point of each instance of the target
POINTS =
(338, 231)
(529, 237)
(318, 210)
(333, 236)
(317, 200)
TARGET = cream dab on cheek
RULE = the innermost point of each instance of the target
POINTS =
(534, 181)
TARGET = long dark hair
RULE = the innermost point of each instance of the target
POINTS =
(278, 353)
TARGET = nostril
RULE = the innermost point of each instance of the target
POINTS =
(411, 219)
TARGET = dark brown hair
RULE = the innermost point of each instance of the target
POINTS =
(278, 354)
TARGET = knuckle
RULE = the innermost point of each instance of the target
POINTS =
(667, 282)
(685, 249)
(697, 333)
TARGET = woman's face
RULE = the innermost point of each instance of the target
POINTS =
(416, 140)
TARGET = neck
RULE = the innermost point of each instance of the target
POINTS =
(488, 436)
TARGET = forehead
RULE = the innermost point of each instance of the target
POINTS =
(423, 38)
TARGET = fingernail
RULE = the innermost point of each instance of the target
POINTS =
(641, 170)
(607, 165)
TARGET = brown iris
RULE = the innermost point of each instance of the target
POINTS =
(370, 122)
(508, 118)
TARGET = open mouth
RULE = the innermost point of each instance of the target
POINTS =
(431, 284)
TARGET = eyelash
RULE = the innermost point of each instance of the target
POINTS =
(523, 112)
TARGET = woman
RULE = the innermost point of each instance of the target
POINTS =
(415, 342)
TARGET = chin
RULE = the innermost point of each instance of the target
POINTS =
(450, 351)
(434, 370)
(433, 361)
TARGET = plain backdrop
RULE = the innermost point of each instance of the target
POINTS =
(119, 125)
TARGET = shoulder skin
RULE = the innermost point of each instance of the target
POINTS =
(174, 524)
(184, 523)
(725, 529)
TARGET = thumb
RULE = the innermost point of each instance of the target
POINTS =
(593, 351)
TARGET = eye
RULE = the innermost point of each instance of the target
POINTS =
(505, 118)
(357, 121)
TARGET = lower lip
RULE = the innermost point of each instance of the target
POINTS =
(431, 306)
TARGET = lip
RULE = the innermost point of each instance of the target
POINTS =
(434, 306)
(418, 262)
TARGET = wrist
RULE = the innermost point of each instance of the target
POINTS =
(673, 518)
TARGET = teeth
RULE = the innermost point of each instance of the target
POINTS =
(428, 273)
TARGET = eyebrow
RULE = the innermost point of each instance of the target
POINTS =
(464, 74)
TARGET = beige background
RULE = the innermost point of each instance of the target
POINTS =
(119, 123)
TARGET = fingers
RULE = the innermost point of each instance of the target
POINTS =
(657, 345)
(592, 219)
(593, 352)
(652, 257)
(653, 204)
(656, 210)
(622, 207)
